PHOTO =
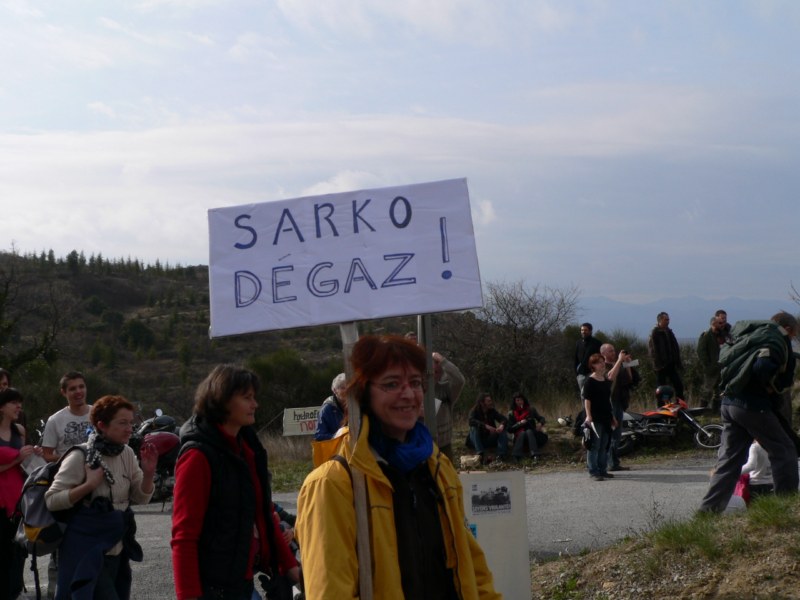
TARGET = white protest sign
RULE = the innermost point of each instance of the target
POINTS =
(342, 257)
(300, 421)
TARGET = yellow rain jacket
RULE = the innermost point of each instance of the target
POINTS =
(326, 529)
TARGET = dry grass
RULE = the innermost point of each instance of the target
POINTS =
(749, 554)
(289, 460)
(292, 448)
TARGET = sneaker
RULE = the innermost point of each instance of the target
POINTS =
(598, 478)
(620, 468)
(608, 476)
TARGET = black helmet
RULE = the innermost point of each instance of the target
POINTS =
(664, 394)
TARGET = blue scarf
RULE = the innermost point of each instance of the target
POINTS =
(403, 456)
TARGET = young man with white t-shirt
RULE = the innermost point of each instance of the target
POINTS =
(69, 426)
(64, 429)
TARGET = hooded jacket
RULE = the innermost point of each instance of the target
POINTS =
(326, 529)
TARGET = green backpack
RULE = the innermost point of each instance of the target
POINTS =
(736, 358)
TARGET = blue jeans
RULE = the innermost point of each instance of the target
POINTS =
(492, 440)
(597, 457)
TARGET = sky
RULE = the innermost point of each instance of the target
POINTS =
(630, 149)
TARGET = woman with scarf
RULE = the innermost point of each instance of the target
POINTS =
(224, 527)
(100, 482)
(420, 545)
(526, 425)
(13, 452)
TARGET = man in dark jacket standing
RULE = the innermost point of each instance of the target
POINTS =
(666, 354)
(584, 348)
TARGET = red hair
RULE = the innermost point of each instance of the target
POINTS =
(373, 354)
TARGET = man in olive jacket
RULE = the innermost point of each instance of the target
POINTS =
(708, 346)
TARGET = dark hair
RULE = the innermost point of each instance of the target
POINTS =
(660, 315)
(588, 326)
(107, 407)
(373, 354)
(785, 320)
(7, 374)
(516, 395)
(10, 395)
(215, 391)
(720, 312)
(479, 401)
(69, 377)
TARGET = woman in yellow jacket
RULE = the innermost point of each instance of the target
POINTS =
(421, 547)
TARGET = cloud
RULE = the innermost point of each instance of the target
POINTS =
(474, 22)
(483, 213)
(251, 46)
(345, 181)
(101, 108)
(22, 8)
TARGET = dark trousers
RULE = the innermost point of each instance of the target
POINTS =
(670, 376)
(491, 440)
(741, 427)
(616, 437)
(528, 435)
(12, 559)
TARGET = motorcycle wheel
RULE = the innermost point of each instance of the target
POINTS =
(626, 445)
(709, 437)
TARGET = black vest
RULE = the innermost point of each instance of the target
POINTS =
(225, 542)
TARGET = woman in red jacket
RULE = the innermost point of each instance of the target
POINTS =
(224, 528)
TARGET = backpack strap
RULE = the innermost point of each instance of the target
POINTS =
(342, 461)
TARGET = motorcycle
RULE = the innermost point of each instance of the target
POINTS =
(162, 432)
(666, 421)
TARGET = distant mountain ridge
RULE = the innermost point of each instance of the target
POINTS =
(689, 315)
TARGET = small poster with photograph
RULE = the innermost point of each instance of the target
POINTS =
(490, 497)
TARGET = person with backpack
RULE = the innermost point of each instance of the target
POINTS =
(99, 484)
(13, 452)
(756, 367)
(224, 527)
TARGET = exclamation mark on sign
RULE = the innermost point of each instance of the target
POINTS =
(446, 274)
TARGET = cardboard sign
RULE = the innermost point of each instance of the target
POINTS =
(497, 514)
(342, 257)
(300, 421)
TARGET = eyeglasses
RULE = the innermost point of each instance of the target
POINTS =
(395, 387)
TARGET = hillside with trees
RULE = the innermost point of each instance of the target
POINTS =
(141, 330)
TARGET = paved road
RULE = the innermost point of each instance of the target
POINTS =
(567, 512)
